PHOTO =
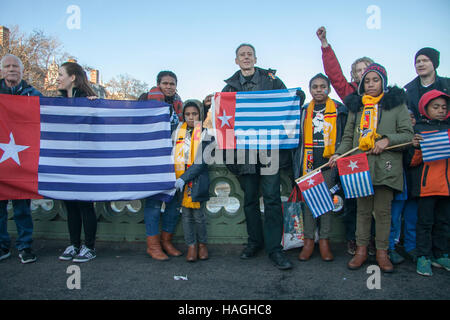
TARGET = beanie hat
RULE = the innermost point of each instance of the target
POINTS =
(431, 95)
(380, 70)
(431, 53)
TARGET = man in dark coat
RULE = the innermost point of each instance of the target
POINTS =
(268, 235)
(426, 61)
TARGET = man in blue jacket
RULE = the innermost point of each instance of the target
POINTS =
(12, 83)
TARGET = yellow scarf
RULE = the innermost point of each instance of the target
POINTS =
(329, 133)
(180, 163)
(369, 122)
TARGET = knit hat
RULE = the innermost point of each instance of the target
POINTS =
(380, 70)
(431, 53)
(431, 95)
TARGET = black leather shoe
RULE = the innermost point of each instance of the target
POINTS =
(280, 260)
(249, 252)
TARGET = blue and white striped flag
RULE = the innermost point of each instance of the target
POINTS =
(316, 194)
(435, 145)
(98, 150)
(257, 119)
(355, 176)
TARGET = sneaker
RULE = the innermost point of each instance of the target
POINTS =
(351, 247)
(442, 262)
(424, 266)
(26, 256)
(395, 257)
(70, 253)
(85, 255)
(4, 253)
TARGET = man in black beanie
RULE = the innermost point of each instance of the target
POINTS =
(426, 61)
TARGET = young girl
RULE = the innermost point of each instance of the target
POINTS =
(378, 118)
(323, 122)
(192, 179)
(434, 202)
(72, 83)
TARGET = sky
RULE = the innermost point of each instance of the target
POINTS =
(197, 39)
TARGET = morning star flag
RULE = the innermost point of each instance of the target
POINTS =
(316, 194)
(78, 149)
(257, 119)
(355, 176)
(435, 145)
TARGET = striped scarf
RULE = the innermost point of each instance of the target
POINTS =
(369, 122)
(180, 161)
(329, 133)
(156, 94)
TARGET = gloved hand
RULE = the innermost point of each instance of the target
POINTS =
(179, 184)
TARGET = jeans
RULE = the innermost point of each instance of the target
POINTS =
(81, 214)
(194, 225)
(269, 234)
(349, 219)
(152, 215)
(409, 210)
(432, 226)
(24, 224)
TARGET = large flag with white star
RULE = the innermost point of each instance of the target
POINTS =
(316, 194)
(257, 119)
(355, 176)
(78, 149)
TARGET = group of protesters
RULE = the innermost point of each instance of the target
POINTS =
(371, 117)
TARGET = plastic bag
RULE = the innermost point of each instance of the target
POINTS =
(293, 236)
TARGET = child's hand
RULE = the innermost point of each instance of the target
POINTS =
(415, 141)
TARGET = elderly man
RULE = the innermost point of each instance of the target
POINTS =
(12, 83)
(267, 235)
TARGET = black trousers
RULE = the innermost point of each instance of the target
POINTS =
(266, 234)
(432, 231)
(81, 214)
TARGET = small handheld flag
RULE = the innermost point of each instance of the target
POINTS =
(316, 194)
(435, 145)
(355, 176)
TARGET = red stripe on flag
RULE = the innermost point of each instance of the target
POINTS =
(311, 181)
(20, 119)
(225, 110)
(353, 164)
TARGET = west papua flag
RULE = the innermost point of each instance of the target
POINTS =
(355, 176)
(435, 145)
(316, 194)
(257, 119)
(77, 149)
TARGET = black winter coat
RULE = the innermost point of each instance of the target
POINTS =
(267, 81)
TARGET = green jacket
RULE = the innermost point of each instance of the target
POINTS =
(394, 122)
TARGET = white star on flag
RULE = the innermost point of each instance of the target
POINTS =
(353, 165)
(311, 182)
(225, 119)
(11, 150)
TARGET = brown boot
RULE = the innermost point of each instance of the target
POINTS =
(383, 261)
(202, 251)
(154, 248)
(359, 258)
(325, 252)
(192, 253)
(166, 242)
(308, 248)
